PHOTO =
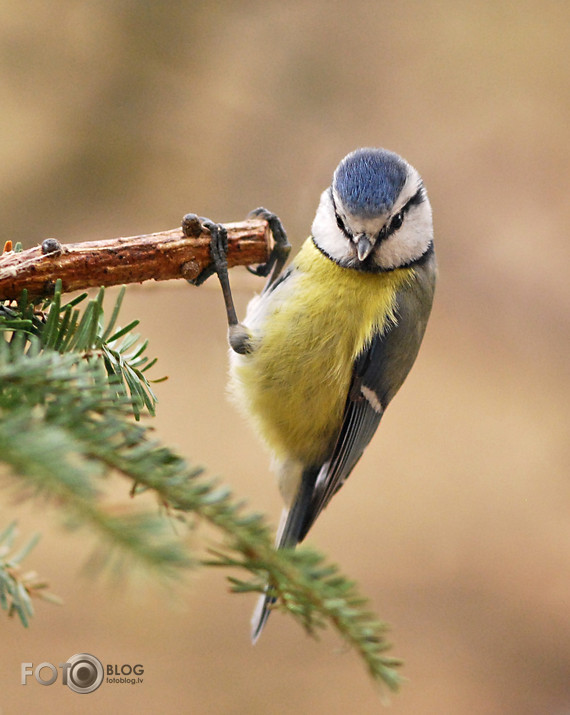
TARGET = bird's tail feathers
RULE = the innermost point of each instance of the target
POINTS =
(291, 530)
(261, 614)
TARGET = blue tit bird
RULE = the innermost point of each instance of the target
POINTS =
(329, 341)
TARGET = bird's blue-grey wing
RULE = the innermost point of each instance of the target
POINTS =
(378, 373)
(362, 414)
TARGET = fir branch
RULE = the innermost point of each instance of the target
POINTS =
(157, 256)
(66, 423)
(39, 443)
(315, 593)
(45, 394)
(62, 329)
(17, 588)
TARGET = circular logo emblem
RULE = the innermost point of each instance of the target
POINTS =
(85, 673)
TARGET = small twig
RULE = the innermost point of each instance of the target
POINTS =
(157, 256)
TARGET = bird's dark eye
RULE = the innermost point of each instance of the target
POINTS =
(397, 221)
(339, 222)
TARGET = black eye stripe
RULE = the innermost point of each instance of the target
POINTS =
(339, 222)
(418, 197)
(398, 219)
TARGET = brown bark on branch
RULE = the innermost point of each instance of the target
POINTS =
(158, 256)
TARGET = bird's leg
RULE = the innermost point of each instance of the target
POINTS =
(238, 335)
(279, 252)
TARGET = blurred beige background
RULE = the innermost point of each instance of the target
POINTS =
(118, 118)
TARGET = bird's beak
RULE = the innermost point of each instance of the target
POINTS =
(364, 247)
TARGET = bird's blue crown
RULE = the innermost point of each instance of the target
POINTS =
(368, 181)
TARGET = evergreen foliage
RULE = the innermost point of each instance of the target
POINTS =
(72, 391)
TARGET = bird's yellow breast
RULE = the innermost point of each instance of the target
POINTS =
(295, 383)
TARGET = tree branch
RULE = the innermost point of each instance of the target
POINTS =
(160, 256)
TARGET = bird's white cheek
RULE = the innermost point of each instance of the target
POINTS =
(407, 244)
